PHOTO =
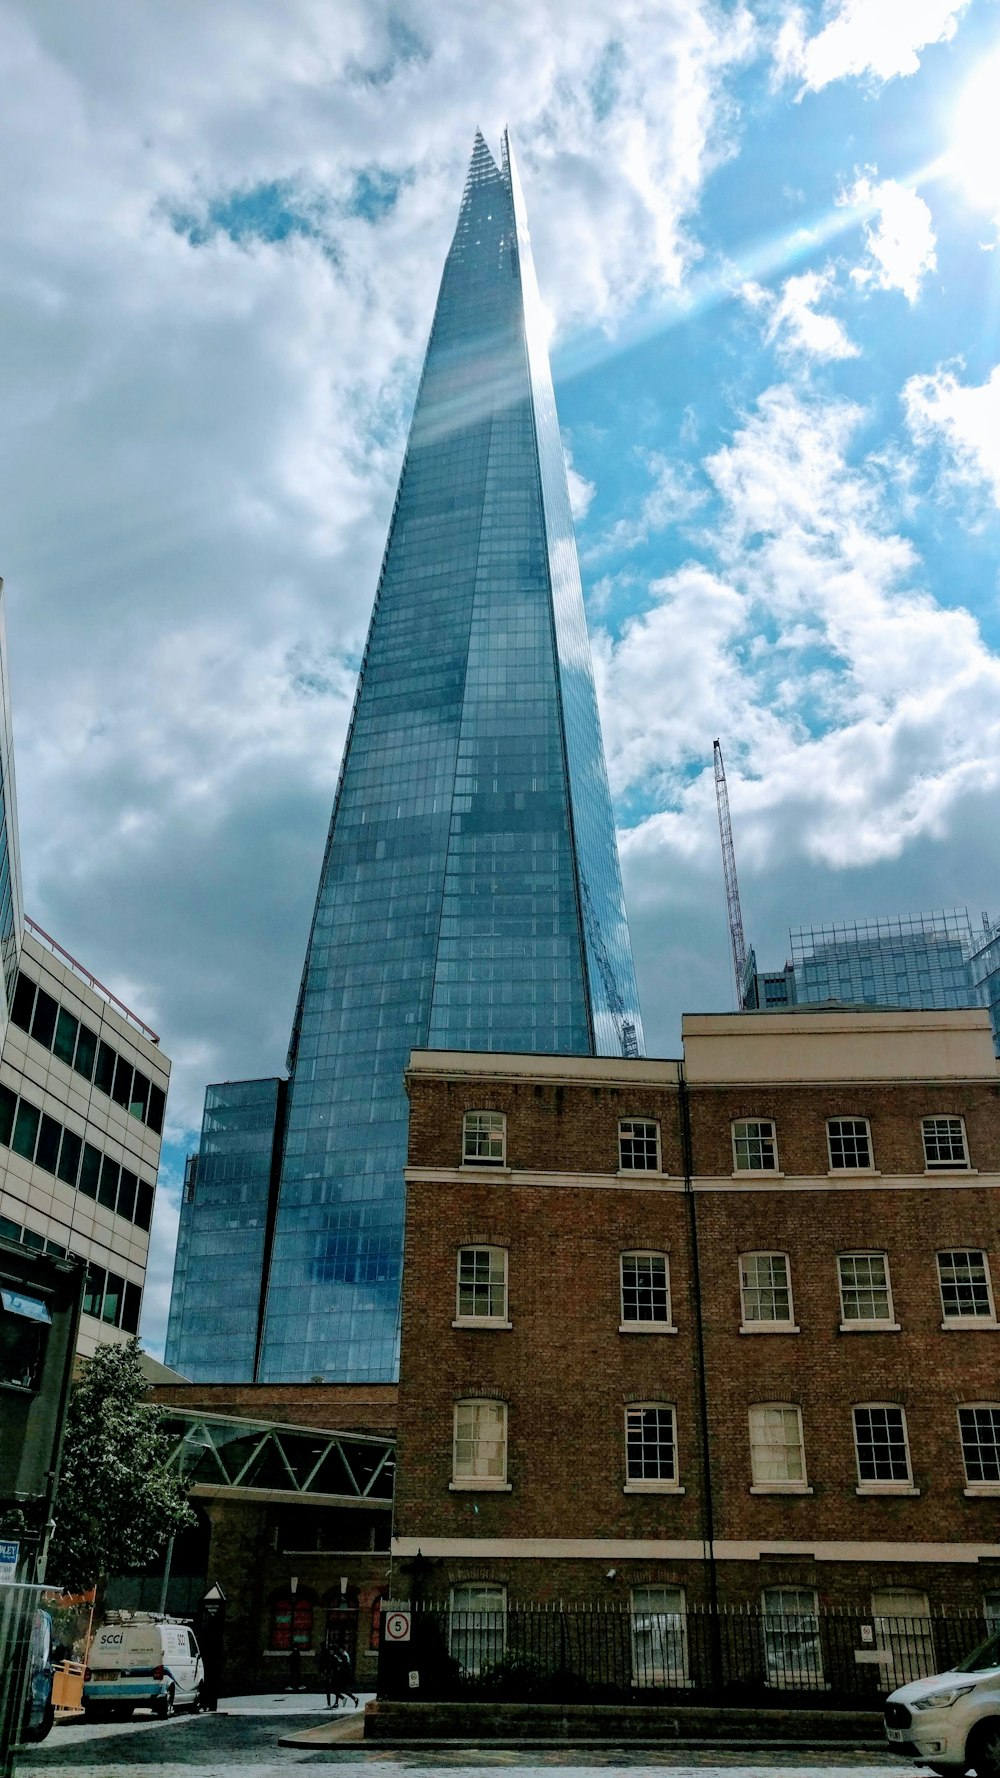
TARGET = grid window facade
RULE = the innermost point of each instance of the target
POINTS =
(777, 1453)
(964, 1277)
(979, 1428)
(484, 1138)
(865, 1295)
(945, 1147)
(651, 1443)
(639, 1145)
(755, 1146)
(850, 1144)
(480, 1442)
(880, 1440)
(766, 1289)
(482, 1284)
(645, 1281)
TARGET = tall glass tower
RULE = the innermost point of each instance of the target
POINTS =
(470, 896)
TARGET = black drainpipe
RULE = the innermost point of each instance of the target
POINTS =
(708, 1503)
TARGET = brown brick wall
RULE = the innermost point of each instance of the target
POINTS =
(337, 1407)
(566, 1371)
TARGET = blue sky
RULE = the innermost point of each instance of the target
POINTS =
(767, 238)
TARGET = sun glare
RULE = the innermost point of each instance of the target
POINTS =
(974, 156)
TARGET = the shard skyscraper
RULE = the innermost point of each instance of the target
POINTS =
(470, 895)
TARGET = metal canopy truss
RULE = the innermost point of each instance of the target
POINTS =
(222, 1456)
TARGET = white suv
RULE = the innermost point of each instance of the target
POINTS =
(951, 1721)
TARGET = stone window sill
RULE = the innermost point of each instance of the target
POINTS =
(851, 1327)
(641, 1173)
(769, 1327)
(890, 1488)
(981, 1490)
(970, 1324)
(758, 1173)
(479, 1484)
(949, 1172)
(482, 1323)
(653, 1486)
(492, 1167)
(781, 1488)
(646, 1327)
(854, 1173)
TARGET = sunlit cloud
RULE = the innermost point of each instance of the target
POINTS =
(899, 238)
(881, 38)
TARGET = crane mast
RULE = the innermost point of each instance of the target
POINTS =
(732, 886)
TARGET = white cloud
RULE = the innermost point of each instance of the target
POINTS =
(900, 242)
(861, 713)
(964, 418)
(794, 323)
(581, 491)
(878, 37)
(673, 497)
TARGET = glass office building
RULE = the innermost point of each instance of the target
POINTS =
(225, 1227)
(919, 961)
(470, 895)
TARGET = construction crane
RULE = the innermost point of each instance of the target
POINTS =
(732, 886)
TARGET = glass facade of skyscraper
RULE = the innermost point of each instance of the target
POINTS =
(470, 896)
(226, 1215)
(919, 961)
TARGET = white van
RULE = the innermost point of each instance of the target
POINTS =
(951, 1721)
(142, 1661)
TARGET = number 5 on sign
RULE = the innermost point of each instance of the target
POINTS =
(397, 1626)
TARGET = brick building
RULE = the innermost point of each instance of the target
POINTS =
(714, 1329)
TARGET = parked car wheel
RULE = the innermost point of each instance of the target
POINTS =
(38, 1731)
(984, 1748)
(164, 1707)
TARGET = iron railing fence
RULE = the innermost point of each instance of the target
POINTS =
(561, 1653)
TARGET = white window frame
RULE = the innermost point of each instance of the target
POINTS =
(759, 1124)
(760, 1325)
(490, 1321)
(980, 1486)
(653, 1484)
(756, 1426)
(785, 1642)
(969, 1321)
(479, 1479)
(469, 1131)
(634, 1325)
(463, 1637)
(649, 1123)
(847, 1118)
(659, 1637)
(902, 1635)
(897, 1485)
(873, 1324)
(949, 1166)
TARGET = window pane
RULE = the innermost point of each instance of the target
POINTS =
(127, 1189)
(864, 1287)
(43, 1021)
(157, 1104)
(659, 1636)
(8, 1107)
(121, 1090)
(69, 1157)
(131, 1309)
(105, 1071)
(93, 1290)
(755, 1149)
(25, 1130)
(849, 1143)
(24, 1002)
(965, 1290)
(649, 1444)
(791, 1638)
(483, 1137)
(638, 1145)
(944, 1142)
(143, 1205)
(107, 1191)
(980, 1429)
(477, 1625)
(480, 1439)
(65, 1038)
(881, 1442)
(113, 1293)
(776, 1453)
(645, 1287)
(47, 1149)
(765, 1286)
(86, 1052)
(139, 1101)
(90, 1171)
(481, 1282)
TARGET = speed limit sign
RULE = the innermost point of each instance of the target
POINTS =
(397, 1626)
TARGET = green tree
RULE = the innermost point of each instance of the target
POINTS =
(117, 1503)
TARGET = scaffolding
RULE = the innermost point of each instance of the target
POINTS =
(918, 961)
